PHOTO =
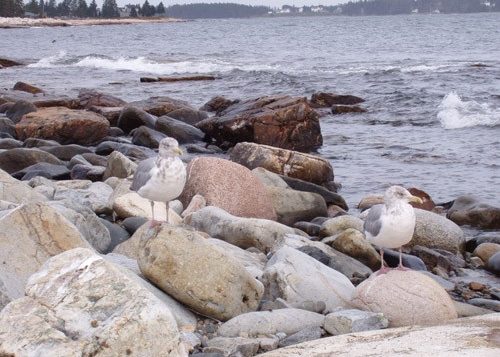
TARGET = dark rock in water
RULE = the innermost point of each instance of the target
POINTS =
(8, 143)
(17, 159)
(4, 62)
(37, 143)
(308, 334)
(467, 210)
(117, 233)
(26, 87)
(114, 131)
(218, 104)
(310, 228)
(89, 98)
(66, 126)
(438, 258)
(130, 150)
(144, 136)
(331, 198)
(289, 163)
(20, 108)
(494, 263)
(174, 108)
(43, 169)
(279, 121)
(110, 113)
(7, 126)
(132, 224)
(427, 202)
(131, 118)
(84, 172)
(94, 159)
(322, 99)
(66, 152)
(391, 257)
(344, 109)
(176, 79)
(182, 132)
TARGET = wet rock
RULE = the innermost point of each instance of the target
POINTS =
(14, 160)
(137, 153)
(304, 335)
(494, 263)
(64, 125)
(174, 108)
(132, 224)
(112, 114)
(322, 99)
(294, 164)
(353, 243)
(131, 118)
(183, 264)
(279, 121)
(5, 62)
(349, 321)
(19, 109)
(85, 172)
(269, 178)
(38, 143)
(295, 277)
(436, 232)
(7, 126)
(288, 321)
(486, 250)
(40, 232)
(89, 98)
(242, 232)
(369, 201)
(406, 298)
(427, 202)
(467, 210)
(117, 234)
(310, 228)
(144, 136)
(14, 191)
(337, 225)
(344, 109)
(119, 165)
(438, 258)
(447, 339)
(44, 169)
(391, 258)
(41, 101)
(182, 132)
(26, 87)
(7, 144)
(92, 299)
(473, 243)
(229, 186)
(218, 104)
(493, 305)
(468, 310)
(292, 206)
(66, 152)
(236, 346)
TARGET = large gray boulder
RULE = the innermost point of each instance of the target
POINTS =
(79, 304)
(15, 191)
(298, 278)
(197, 273)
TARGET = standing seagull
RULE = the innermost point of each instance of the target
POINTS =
(391, 225)
(161, 178)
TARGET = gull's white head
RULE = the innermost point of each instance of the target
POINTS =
(395, 194)
(169, 147)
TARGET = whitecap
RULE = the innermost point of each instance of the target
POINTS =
(454, 113)
(49, 62)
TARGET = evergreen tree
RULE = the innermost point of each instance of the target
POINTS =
(160, 9)
(51, 8)
(41, 6)
(63, 8)
(148, 10)
(11, 8)
(33, 7)
(92, 11)
(110, 9)
(133, 11)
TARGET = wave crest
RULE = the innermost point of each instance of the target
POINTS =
(454, 113)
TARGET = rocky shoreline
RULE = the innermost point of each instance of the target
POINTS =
(262, 254)
(19, 22)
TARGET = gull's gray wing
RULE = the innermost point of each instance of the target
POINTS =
(142, 174)
(373, 222)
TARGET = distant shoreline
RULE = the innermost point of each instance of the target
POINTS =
(18, 22)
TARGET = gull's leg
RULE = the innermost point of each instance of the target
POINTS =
(400, 266)
(153, 222)
(167, 208)
(383, 269)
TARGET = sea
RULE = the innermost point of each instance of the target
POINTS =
(431, 84)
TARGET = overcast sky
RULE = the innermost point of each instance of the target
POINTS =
(271, 3)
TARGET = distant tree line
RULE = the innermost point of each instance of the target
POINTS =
(394, 7)
(215, 11)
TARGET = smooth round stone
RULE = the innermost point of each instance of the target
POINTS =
(117, 233)
(494, 263)
(132, 224)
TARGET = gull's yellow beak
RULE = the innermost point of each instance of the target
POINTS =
(416, 199)
(178, 151)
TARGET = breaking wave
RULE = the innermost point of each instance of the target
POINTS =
(454, 113)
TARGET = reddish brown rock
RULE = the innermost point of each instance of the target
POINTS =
(63, 125)
(4, 62)
(229, 186)
(427, 202)
(284, 162)
(26, 87)
(218, 104)
(467, 210)
(322, 99)
(90, 98)
(279, 121)
(174, 108)
(110, 113)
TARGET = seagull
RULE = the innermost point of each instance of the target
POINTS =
(161, 178)
(391, 224)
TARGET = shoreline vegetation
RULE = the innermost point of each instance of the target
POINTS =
(18, 22)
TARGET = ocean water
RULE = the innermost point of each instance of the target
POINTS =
(431, 84)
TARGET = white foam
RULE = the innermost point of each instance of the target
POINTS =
(49, 62)
(454, 113)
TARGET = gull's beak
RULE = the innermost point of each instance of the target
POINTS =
(416, 199)
(178, 151)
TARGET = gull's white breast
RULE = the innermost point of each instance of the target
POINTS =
(166, 182)
(397, 228)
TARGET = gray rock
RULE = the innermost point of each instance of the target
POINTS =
(310, 228)
(337, 225)
(85, 172)
(179, 130)
(96, 197)
(391, 258)
(132, 224)
(20, 108)
(131, 118)
(144, 136)
(66, 152)
(467, 210)
(349, 321)
(132, 151)
(493, 305)
(7, 126)
(17, 159)
(257, 323)
(304, 335)
(118, 234)
(43, 169)
(269, 178)
(119, 165)
(39, 142)
(10, 143)
(438, 258)
(236, 346)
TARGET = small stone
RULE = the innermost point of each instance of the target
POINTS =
(348, 321)
(304, 335)
(476, 286)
